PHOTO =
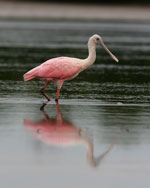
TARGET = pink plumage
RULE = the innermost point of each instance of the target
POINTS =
(61, 69)
(53, 69)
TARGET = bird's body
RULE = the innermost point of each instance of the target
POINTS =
(61, 69)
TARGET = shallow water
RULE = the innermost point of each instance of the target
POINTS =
(99, 133)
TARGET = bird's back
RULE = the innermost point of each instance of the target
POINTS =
(56, 68)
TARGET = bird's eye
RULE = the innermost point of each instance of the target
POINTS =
(97, 39)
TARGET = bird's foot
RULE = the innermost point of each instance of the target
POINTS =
(48, 99)
(56, 100)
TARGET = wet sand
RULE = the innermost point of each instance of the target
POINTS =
(72, 11)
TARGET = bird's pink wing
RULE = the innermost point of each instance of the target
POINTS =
(59, 68)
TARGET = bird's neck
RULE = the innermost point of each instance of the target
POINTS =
(91, 57)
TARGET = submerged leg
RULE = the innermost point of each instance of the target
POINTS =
(43, 106)
(59, 85)
(57, 95)
(59, 117)
(42, 91)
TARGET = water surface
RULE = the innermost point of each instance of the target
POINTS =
(99, 133)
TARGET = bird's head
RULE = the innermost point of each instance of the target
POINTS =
(96, 39)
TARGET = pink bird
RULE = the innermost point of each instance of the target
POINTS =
(61, 69)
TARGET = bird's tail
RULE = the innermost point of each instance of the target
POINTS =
(28, 77)
(31, 74)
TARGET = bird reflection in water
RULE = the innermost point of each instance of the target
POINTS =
(62, 133)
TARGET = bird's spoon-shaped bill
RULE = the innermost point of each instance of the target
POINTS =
(108, 51)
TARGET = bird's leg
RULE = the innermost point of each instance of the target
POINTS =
(42, 91)
(59, 85)
(59, 117)
(57, 95)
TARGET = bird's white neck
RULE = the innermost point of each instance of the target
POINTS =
(91, 57)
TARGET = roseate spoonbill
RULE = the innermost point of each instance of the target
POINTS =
(61, 69)
(59, 132)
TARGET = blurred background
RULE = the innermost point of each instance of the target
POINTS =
(79, 9)
(83, 1)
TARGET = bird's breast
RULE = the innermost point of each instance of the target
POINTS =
(72, 77)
